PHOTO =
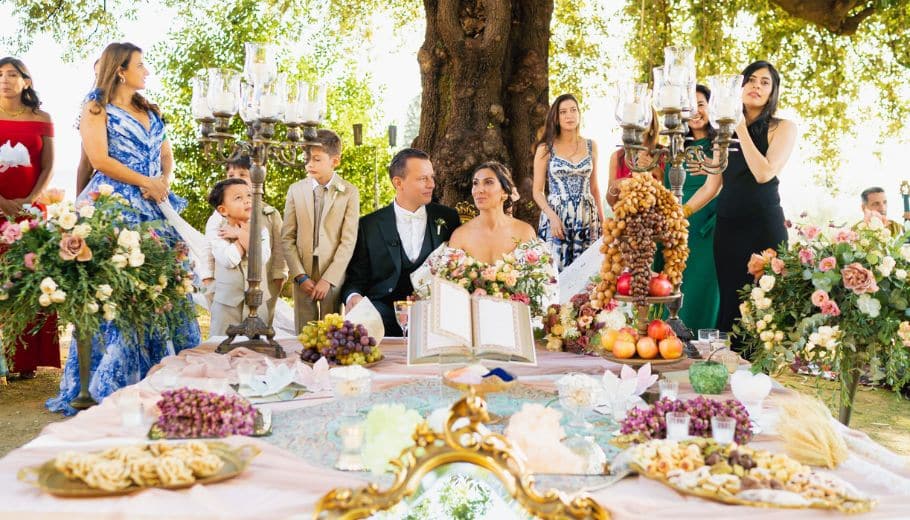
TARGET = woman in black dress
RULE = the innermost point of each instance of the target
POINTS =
(749, 216)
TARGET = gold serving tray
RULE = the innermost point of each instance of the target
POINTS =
(488, 385)
(637, 361)
(49, 479)
(845, 505)
(261, 428)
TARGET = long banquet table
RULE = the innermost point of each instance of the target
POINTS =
(279, 484)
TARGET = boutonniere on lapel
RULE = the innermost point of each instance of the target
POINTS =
(339, 188)
(440, 225)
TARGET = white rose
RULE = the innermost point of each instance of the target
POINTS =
(91, 307)
(136, 258)
(763, 304)
(44, 300)
(48, 286)
(900, 274)
(110, 311)
(58, 296)
(905, 252)
(757, 294)
(25, 227)
(68, 220)
(760, 326)
(128, 239)
(868, 305)
(886, 266)
(105, 189)
(82, 230)
(87, 211)
(119, 261)
(4, 296)
(779, 335)
(766, 282)
(766, 335)
(103, 292)
(54, 211)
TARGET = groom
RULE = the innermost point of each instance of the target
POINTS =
(394, 241)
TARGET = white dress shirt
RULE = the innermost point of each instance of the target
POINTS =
(412, 227)
(227, 255)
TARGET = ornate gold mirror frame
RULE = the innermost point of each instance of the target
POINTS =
(471, 443)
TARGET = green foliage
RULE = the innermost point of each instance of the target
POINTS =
(826, 77)
(578, 49)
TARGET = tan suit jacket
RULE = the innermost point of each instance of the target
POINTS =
(337, 237)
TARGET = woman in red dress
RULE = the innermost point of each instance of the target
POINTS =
(26, 159)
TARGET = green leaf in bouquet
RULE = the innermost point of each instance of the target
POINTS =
(821, 281)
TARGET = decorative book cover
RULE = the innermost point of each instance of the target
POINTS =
(454, 326)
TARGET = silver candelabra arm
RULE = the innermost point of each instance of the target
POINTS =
(288, 154)
(657, 155)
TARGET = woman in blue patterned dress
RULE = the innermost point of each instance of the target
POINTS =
(123, 137)
(572, 213)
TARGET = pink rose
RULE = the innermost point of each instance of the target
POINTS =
(845, 236)
(830, 308)
(521, 297)
(74, 248)
(10, 232)
(810, 231)
(826, 264)
(806, 256)
(532, 257)
(819, 298)
(480, 292)
(858, 279)
(29, 261)
(777, 265)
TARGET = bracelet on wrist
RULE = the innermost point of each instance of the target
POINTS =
(302, 279)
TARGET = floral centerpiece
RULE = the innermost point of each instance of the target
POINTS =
(576, 325)
(835, 297)
(84, 263)
(527, 274)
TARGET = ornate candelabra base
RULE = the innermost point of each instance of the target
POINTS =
(253, 328)
(679, 328)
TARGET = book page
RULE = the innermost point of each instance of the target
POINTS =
(494, 325)
(424, 346)
(451, 308)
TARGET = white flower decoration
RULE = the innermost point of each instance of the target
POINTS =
(44, 300)
(48, 286)
(68, 220)
(868, 305)
(82, 230)
(886, 266)
(103, 292)
(87, 211)
(58, 296)
(136, 258)
(105, 189)
(119, 261)
(766, 282)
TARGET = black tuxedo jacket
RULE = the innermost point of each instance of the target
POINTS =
(375, 267)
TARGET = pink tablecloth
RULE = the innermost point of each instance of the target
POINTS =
(278, 484)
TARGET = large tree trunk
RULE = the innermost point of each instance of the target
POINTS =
(483, 70)
(841, 17)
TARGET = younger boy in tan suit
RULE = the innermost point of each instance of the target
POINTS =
(319, 231)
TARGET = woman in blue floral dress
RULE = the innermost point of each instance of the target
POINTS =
(123, 136)
(572, 213)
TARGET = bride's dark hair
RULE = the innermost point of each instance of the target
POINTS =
(505, 180)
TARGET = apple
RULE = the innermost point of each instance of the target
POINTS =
(608, 338)
(646, 348)
(660, 286)
(623, 349)
(629, 333)
(624, 284)
(671, 348)
(659, 330)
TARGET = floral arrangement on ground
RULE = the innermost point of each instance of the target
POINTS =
(83, 262)
(836, 297)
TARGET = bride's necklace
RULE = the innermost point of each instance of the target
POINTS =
(13, 114)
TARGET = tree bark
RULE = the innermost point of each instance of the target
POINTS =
(841, 17)
(483, 69)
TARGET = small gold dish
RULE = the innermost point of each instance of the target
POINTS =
(49, 479)
(488, 385)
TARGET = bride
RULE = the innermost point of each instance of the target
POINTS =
(495, 253)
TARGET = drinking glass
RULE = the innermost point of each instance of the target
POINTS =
(707, 334)
(723, 429)
(349, 391)
(730, 360)
(677, 425)
(668, 388)
(402, 312)
(576, 399)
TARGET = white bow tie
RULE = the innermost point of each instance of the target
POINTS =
(420, 214)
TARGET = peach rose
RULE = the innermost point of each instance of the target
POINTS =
(830, 308)
(777, 265)
(757, 263)
(74, 248)
(858, 279)
(826, 264)
(819, 298)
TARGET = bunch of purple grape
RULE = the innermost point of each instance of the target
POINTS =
(348, 344)
(651, 423)
(190, 413)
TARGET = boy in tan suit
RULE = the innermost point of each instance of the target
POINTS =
(238, 167)
(231, 198)
(319, 232)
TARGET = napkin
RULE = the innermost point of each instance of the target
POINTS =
(315, 378)
(364, 313)
(274, 380)
(630, 382)
(748, 387)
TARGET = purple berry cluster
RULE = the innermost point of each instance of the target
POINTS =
(191, 413)
(349, 344)
(651, 423)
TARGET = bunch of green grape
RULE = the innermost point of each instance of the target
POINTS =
(314, 337)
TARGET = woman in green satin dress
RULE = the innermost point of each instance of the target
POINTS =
(699, 287)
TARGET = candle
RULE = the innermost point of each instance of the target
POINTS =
(677, 426)
(670, 97)
(668, 389)
(259, 72)
(723, 429)
(269, 106)
(292, 113)
(631, 113)
(222, 102)
(726, 107)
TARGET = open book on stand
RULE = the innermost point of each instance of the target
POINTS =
(453, 326)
